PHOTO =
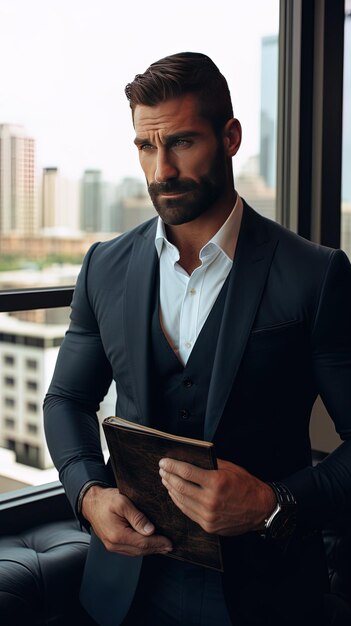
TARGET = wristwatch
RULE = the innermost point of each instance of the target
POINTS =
(282, 522)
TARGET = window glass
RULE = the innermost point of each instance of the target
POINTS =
(29, 343)
(27, 355)
(346, 143)
(69, 172)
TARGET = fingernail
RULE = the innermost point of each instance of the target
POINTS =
(161, 463)
(148, 528)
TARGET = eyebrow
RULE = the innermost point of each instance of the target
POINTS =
(169, 138)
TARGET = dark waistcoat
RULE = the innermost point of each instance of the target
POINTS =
(179, 394)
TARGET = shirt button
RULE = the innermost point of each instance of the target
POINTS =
(184, 414)
(188, 344)
(187, 383)
(192, 291)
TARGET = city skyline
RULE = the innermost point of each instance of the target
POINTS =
(67, 65)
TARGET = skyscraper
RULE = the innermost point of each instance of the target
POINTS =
(50, 196)
(269, 104)
(18, 209)
(60, 202)
(92, 201)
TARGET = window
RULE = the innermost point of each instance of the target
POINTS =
(29, 455)
(53, 255)
(44, 242)
(31, 385)
(31, 364)
(9, 423)
(9, 402)
(9, 381)
(8, 359)
(44, 238)
(32, 407)
(32, 428)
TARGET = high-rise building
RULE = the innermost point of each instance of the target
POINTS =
(269, 104)
(50, 197)
(18, 207)
(92, 201)
(28, 353)
(59, 202)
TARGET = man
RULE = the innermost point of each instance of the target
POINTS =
(218, 324)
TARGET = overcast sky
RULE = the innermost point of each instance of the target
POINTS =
(64, 65)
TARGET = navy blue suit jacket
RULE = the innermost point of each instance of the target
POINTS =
(285, 337)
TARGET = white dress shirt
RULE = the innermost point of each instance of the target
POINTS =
(186, 301)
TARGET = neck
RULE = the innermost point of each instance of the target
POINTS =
(190, 237)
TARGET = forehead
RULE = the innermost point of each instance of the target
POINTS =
(170, 117)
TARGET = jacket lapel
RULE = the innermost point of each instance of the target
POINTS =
(139, 300)
(248, 276)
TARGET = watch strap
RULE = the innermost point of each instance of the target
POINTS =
(283, 494)
(285, 509)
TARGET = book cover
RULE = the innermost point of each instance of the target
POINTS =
(135, 452)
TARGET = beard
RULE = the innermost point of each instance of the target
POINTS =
(197, 196)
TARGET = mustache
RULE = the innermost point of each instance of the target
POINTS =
(172, 186)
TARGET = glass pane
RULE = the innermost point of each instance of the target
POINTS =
(29, 343)
(69, 173)
(346, 144)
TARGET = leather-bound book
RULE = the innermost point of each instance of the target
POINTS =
(135, 452)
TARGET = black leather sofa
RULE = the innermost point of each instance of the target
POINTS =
(337, 541)
(40, 573)
(41, 569)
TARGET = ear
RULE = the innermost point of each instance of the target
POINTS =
(232, 137)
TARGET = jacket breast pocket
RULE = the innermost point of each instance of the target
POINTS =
(275, 353)
(277, 335)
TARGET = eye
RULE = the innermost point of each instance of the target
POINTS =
(181, 143)
(144, 147)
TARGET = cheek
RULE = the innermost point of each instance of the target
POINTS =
(199, 165)
(147, 167)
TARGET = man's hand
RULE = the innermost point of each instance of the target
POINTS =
(119, 524)
(226, 501)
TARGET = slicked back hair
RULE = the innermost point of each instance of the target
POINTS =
(181, 74)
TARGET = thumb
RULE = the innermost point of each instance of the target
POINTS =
(138, 520)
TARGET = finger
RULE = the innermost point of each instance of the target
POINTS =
(188, 472)
(192, 503)
(133, 543)
(186, 508)
(137, 520)
(179, 485)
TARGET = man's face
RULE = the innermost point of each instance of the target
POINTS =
(182, 159)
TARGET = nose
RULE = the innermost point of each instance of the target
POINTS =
(165, 167)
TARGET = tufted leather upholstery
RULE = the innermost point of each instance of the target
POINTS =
(40, 573)
(41, 569)
(337, 541)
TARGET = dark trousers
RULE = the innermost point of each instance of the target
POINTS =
(174, 593)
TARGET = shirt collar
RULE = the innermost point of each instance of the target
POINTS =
(225, 239)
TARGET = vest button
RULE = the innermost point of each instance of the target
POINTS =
(187, 383)
(184, 414)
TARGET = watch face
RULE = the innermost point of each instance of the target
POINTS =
(283, 524)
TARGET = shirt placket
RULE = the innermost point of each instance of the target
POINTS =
(190, 313)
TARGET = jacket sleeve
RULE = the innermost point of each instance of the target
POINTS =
(325, 490)
(81, 379)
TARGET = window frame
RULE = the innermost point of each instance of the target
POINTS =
(28, 507)
(310, 102)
